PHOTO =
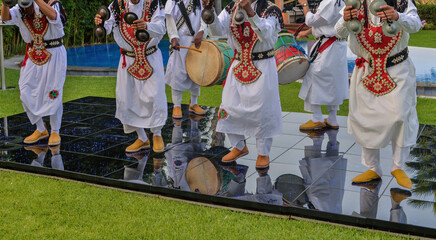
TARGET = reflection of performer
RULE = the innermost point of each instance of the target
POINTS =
(326, 82)
(250, 101)
(383, 87)
(140, 92)
(326, 189)
(158, 178)
(41, 151)
(44, 67)
(136, 174)
(179, 34)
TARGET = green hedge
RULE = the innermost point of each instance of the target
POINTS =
(427, 12)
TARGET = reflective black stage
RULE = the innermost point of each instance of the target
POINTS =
(310, 175)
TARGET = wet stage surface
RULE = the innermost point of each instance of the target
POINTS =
(309, 175)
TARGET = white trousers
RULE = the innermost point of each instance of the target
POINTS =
(263, 145)
(178, 95)
(129, 129)
(371, 158)
(55, 121)
(313, 107)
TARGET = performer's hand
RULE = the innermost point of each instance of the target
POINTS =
(390, 12)
(304, 34)
(197, 39)
(302, 2)
(205, 3)
(98, 20)
(175, 44)
(349, 13)
(140, 24)
(246, 5)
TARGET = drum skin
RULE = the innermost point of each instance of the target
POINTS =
(292, 63)
(203, 176)
(209, 67)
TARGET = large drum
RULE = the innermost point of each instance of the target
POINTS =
(203, 176)
(209, 67)
(291, 59)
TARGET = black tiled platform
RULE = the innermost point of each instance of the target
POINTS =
(309, 176)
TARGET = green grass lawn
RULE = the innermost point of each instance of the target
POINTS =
(425, 38)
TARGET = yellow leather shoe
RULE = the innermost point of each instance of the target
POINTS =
(311, 126)
(402, 179)
(177, 112)
(36, 136)
(234, 154)
(54, 139)
(55, 149)
(36, 149)
(138, 145)
(196, 109)
(366, 177)
(158, 144)
(262, 162)
(330, 126)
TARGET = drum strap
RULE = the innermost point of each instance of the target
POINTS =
(320, 47)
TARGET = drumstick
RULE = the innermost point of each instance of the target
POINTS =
(193, 49)
(286, 2)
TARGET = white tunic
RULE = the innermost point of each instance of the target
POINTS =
(377, 120)
(37, 81)
(176, 75)
(253, 109)
(326, 82)
(141, 104)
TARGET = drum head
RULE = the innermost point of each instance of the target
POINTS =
(293, 70)
(202, 176)
(205, 68)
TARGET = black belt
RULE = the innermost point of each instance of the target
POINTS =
(396, 59)
(52, 43)
(148, 51)
(257, 56)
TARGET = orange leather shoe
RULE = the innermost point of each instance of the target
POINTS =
(158, 144)
(311, 126)
(262, 162)
(234, 154)
(54, 139)
(197, 110)
(36, 136)
(37, 149)
(329, 125)
(138, 145)
(177, 112)
(402, 179)
(366, 177)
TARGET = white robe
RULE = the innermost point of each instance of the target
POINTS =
(375, 121)
(253, 109)
(176, 75)
(37, 81)
(141, 104)
(326, 82)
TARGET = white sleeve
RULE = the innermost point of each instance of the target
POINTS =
(203, 27)
(171, 26)
(110, 23)
(265, 27)
(340, 30)
(221, 24)
(409, 21)
(315, 20)
(15, 16)
(57, 21)
(156, 27)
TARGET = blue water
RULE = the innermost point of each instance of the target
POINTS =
(108, 55)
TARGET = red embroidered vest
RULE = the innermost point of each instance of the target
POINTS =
(379, 47)
(245, 71)
(141, 68)
(37, 24)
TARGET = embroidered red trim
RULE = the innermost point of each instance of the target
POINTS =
(37, 26)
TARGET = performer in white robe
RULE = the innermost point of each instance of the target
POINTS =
(250, 102)
(178, 32)
(43, 72)
(326, 81)
(383, 97)
(140, 91)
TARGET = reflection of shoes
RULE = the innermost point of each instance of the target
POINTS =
(234, 154)
(311, 126)
(262, 171)
(157, 162)
(196, 109)
(36, 136)
(262, 162)
(196, 117)
(54, 139)
(55, 149)
(138, 145)
(177, 112)
(399, 195)
(138, 155)
(366, 177)
(177, 122)
(402, 179)
(36, 149)
(371, 185)
(158, 144)
(329, 125)
(316, 135)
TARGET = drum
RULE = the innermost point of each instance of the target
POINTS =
(291, 59)
(203, 176)
(209, 67)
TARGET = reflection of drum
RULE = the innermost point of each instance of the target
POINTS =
(205, 177)
(291, 59)
(209, 67)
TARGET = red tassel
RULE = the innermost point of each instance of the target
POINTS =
(26, 56)
(360, 63)
(124, 59)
